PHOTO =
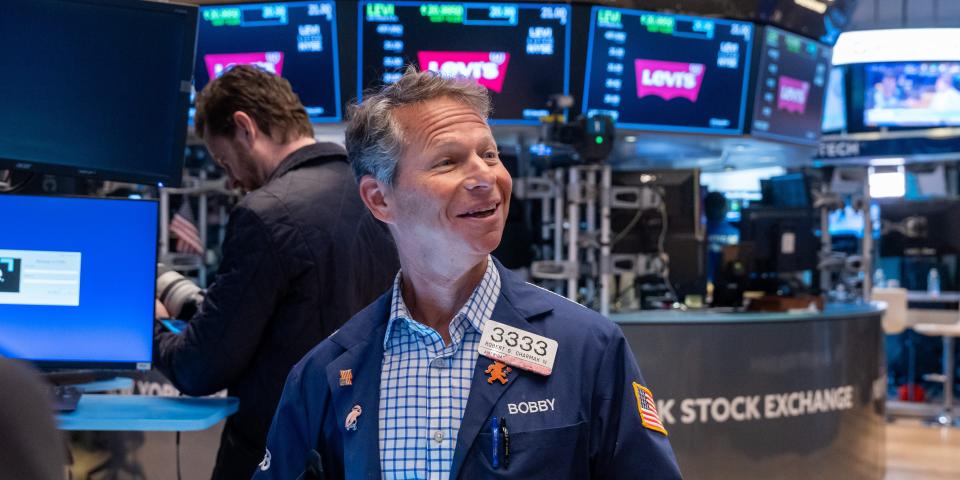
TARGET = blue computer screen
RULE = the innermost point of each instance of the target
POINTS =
(296, 40)
(657, 71)
(78, 281)
(518, 51)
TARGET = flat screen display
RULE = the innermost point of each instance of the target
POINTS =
(655, 71)
(519, 52)
(77, 281)
(296, 40)
(911, 94)
(791, 80)
(835, 103)
(96, 88)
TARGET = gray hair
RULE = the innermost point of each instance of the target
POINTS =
(374, 137)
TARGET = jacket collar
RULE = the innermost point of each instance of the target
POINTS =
(520, 305)
(320, 152)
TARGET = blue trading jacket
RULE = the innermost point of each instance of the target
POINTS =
(582, 421)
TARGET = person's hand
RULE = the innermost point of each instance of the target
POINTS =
(160, 311)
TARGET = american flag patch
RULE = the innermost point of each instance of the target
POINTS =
(648, 409)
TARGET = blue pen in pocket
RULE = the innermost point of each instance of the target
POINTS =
(495, 441)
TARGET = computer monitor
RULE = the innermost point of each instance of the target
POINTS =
(681, 194)
(835, 102)
(791, 79)
(779, 240)
(96, 88)
(639, 231)
(919, 227)
(78, 281)
(787, 191)
(849, 222)
(658, 71)
(296, 40)
(519, 51)
(908, 94)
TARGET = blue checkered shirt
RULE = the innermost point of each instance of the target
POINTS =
(424, 383)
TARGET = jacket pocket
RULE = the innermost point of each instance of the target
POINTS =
(553, 453)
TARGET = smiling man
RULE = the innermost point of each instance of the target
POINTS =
(461, 370)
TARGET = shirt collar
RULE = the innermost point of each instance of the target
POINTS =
(477, 309)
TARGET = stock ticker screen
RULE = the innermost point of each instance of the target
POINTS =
(519, 52)
(655, 71)
(791, 83)
(296, 40)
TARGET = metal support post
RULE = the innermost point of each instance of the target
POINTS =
(573, 232)
(164, 222)
(866, 244)
(606, 181)
(591, 229)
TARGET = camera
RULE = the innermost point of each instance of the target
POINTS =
(584, 140)
(179, 295)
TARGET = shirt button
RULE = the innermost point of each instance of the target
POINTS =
(438, 436)
(438, 363)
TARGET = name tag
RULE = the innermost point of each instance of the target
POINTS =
(518, 348)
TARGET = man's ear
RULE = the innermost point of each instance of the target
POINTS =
(376, 196)
(247, 130)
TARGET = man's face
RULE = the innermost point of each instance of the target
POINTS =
(237, 160)
(451, 192)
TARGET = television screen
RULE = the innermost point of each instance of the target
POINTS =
(656, 71)
(519, 52)
(96, 88)
(791, 79)
(296, 40)
(77, 281)
(835, 103)
(911, 94)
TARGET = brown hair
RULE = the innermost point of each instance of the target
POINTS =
(265, 97)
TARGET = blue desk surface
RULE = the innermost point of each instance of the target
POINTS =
(143, 413)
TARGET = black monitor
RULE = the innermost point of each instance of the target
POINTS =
(518, 51)
(657, 71)
(639, 231)
(791, 79)
(296, 40)
(779, 240)
(787, 191)
(919, 227)
(681, 194)
(96, 88)
(77, 281)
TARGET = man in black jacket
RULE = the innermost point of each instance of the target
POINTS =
(302, 254)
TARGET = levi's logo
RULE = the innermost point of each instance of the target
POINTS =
(668, 79)
(487, 68)
(793, 94)
(217, 63)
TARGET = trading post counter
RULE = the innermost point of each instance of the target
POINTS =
(767, 395)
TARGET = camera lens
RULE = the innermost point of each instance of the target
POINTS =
(179, 295)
